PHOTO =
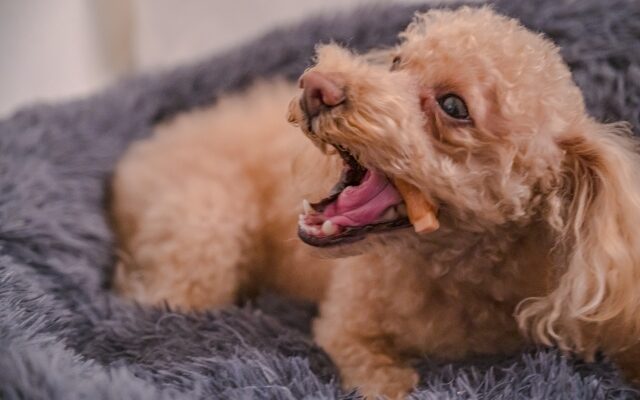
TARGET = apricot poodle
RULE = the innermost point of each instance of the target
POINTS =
(538, 205)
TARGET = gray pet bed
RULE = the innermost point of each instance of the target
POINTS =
(64, 335)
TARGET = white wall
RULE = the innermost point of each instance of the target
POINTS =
(49, 49)
(55, 49)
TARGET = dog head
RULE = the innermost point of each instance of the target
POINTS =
(469, 109)
(483, 118)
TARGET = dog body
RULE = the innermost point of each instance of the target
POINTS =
(220, 181)
(537, 203)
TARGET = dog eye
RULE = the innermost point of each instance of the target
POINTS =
(395, 63)
(454, 106)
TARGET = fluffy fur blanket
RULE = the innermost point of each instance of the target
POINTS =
(64, 335)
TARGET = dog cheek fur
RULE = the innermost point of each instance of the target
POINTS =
(495, 171)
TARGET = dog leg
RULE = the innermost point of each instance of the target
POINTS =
(193, 246)
(365, 363)
(361, 323)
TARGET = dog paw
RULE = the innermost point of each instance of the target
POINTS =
(389, 382)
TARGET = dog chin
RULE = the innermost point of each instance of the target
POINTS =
(377, 242)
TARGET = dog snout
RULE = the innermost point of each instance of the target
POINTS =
(319, 93)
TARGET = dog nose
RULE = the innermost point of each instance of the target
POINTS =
(319, 93)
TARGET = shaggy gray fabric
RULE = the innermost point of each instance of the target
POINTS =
(63, 335)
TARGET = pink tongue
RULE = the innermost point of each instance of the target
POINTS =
(365, 203)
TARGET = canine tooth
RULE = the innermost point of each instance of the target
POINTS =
(402, 209)
(328, 228)
(306, 206)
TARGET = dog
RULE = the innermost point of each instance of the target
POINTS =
(536, 204)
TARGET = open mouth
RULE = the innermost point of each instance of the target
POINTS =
(364, 201)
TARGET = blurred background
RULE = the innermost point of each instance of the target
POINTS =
(53, 50)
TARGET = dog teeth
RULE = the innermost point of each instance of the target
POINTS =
(390, 214)
(306, 206)
(329, 228)
(402, 209)
(310, 229)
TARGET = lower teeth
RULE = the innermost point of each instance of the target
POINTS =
(329, 228)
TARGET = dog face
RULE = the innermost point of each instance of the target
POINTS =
(468, 108)
(483, 118)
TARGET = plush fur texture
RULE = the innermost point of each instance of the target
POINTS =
(530, 190)
(64, 335)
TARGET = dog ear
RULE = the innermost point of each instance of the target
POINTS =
(595, 297)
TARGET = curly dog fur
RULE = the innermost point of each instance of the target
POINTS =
(537, 205)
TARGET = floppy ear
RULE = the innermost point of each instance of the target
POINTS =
(595, 297)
